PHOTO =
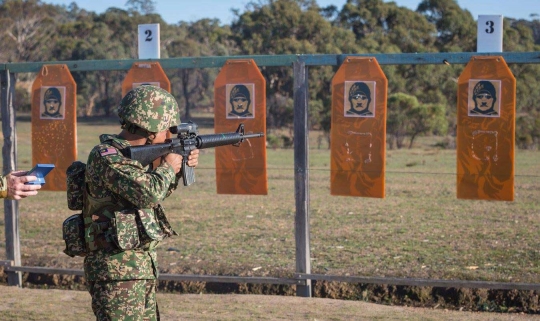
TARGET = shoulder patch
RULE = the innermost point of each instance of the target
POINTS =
(108, 151)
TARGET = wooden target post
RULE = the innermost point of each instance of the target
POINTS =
(54, 123)
(486, 130)
(358, 134)
(240, 97)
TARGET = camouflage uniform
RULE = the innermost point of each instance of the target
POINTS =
(122, 216)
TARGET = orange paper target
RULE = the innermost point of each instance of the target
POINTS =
(149, 73)
(240, 97)
(358, 134)
(486, 130)
(54, 123)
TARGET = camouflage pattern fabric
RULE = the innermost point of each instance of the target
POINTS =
(164, 224)
(124, 227)
(148, 222)
(75, 185)
(73, 235)
(108, 172)
(121, 273)
(124, 300)
(110, 175)
(149, 107)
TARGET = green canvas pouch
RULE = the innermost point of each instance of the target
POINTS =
(73, 235)
(75, 185)
(149, 225)
(124, 229)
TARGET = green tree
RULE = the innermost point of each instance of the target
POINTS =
(94, 37)
(201, 38)
(290, 27)
(399, 106)
(385, 27)
(522, 35)
(27, 28)
(142, 6)
(528, 130)
(456, 27)
(426, 119)
(88, 36)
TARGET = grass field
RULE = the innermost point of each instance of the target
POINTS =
(420, 230)
(64, 305)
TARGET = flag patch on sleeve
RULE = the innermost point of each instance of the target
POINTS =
(108, 151)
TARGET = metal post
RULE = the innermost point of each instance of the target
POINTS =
(301, 177)
(9, 156)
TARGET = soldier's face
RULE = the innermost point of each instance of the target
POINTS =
(52, 106)
(160, 137)
(240, 104)
(359, 102)
(484, 101)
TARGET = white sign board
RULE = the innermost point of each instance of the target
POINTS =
(490, 33)
(149, 41)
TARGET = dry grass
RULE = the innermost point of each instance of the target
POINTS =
(58, 305)
(419, 230)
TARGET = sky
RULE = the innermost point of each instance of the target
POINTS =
(173, 11)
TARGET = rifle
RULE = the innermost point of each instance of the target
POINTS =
(187, 140)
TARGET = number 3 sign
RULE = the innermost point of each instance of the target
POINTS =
(490, 33)
(149, 41)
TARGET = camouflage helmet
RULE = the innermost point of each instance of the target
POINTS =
(150, 108)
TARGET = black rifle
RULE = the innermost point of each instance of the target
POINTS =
(188, 139)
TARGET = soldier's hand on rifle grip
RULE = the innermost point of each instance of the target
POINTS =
(193, 158)
(175, 160)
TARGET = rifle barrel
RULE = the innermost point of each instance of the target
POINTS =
(254, 135)
(146, 154)
(215, 140)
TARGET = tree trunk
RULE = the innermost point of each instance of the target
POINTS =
(412, 141)
(89, 106)
(390, 141)
(185, 92)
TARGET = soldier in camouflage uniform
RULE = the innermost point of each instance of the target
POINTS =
(123, 217)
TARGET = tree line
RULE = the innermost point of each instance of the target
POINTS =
(422, 98)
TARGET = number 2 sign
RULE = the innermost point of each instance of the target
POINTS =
(149, 41)
(490, 33)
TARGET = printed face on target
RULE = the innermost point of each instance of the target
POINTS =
(483, 100)
(239, 101)
(52, 107)
(359, 99)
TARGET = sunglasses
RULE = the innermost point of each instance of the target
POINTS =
(362, 97)
(483, 96)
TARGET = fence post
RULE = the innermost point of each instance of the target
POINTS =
(9, 156)
(301, 177)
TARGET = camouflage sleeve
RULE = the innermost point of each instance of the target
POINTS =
(174, 184)
(129, 179)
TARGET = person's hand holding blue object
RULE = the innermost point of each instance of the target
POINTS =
(39, 171)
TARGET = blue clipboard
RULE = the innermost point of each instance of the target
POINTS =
(40, 171)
